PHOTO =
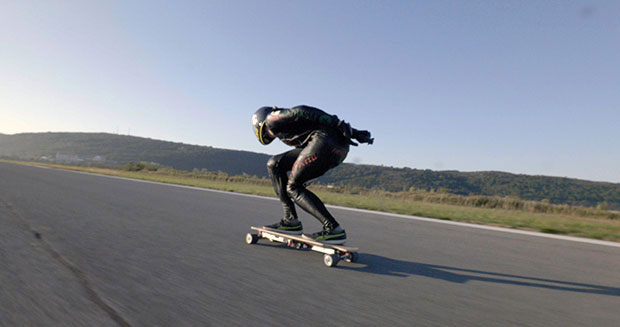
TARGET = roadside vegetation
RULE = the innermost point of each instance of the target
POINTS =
(112, 150)
(511, 212)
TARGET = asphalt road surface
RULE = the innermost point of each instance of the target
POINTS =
(86, 250)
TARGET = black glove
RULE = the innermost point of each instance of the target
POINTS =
(346, 130)
(362, 136)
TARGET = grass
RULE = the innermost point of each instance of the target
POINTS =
(589, 227)
(588, 223)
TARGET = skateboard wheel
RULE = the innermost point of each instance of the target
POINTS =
(354, 256)
(330, 260)
(251, 238)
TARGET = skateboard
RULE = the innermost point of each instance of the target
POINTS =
(332, 253)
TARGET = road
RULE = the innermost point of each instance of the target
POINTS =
(86, 250)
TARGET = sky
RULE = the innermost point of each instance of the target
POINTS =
(527, 87)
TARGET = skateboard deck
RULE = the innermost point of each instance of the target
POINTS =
(332, 253)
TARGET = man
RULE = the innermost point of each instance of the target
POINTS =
(321, 143)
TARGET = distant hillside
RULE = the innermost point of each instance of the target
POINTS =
(112, 149)
(491, 183)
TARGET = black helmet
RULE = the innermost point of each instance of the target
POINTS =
(258, 124)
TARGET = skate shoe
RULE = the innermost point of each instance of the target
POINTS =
(329, 236)
(287, 227)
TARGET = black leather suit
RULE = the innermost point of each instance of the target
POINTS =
(319, 146)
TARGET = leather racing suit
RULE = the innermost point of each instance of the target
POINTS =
(319, 147)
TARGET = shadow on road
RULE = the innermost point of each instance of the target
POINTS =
(374, 264)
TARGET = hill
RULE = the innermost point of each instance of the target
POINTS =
(556, 190)
(117, 150)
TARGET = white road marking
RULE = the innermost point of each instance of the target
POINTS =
(378, 213)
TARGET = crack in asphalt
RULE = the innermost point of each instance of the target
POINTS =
(79, 274)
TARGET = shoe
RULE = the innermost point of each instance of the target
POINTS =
(329, 236)
(286, 227)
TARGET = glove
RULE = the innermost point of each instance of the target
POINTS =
(346, 130)
(362, 136)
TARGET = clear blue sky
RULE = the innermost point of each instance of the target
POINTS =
(527, 87)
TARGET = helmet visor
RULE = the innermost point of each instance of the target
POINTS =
(263, 136)
(258, 125)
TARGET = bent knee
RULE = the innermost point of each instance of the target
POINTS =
(272, 164)
(292, 189)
